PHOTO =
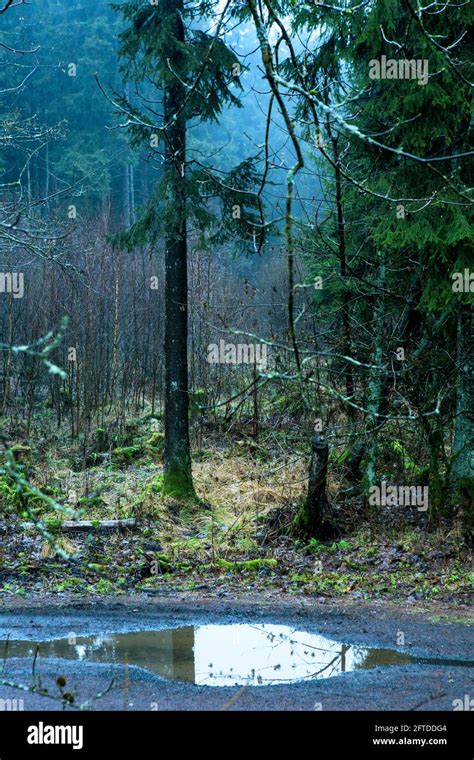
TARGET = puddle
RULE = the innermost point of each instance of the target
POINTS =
(218, 655)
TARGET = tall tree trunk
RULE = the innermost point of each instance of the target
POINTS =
(133, 218)
(346, 317)
(462, 461)
(47, 182)
(374, 385)
(114, 374)
(127, 209)
(7, 364)
(126, 196)
(177, 456)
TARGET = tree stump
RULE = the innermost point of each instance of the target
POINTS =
(311, 519)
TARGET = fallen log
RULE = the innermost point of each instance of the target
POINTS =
(85, 525)
(82, 526)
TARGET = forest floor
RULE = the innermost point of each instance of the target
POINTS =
(409, 566)
(434, 684)
(234, 539)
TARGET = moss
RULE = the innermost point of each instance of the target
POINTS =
(301, 525)
(95, 567)
(69, 584)
(52, 524)
(104, 587)
(178, 484)
(164, 562)
(156, 440)
(94, 502)
(182, 545)
(165, 565)
(155, 486)
(249, 565)
(124, 455)
(9, 496)
(154, 446)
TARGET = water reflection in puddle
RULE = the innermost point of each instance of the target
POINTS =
(218, 655)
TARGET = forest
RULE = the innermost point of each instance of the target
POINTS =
(236, 353)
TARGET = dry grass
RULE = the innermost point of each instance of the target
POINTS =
(236, 489)
(48, 552)
(241, 485)
(235, 493)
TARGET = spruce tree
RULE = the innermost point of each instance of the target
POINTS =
(192, 75)
(404, 161)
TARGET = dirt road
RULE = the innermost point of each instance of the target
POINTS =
(432, 685)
